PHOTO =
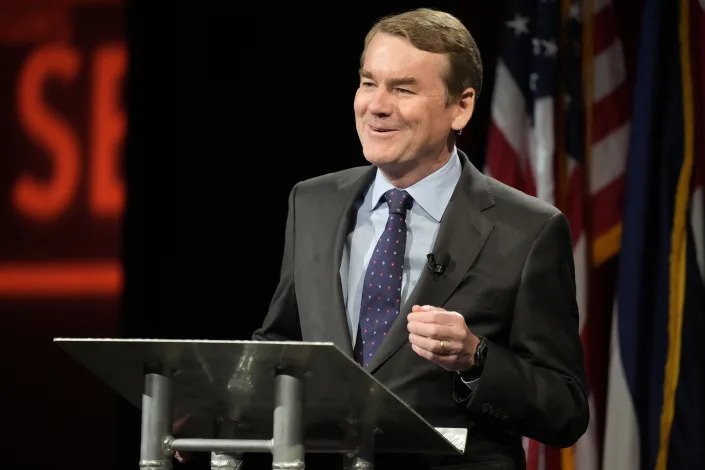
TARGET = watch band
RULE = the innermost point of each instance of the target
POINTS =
(478, 365)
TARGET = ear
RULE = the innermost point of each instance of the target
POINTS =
(464, 109)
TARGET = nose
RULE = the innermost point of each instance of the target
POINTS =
(381, 103)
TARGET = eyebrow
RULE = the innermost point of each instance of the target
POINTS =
(392, 82)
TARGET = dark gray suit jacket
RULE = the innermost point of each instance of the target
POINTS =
(510, 274)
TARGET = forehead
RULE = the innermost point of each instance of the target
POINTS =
(390, 56)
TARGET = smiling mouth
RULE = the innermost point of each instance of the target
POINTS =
(381, 129)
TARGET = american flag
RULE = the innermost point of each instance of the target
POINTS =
(559, 131)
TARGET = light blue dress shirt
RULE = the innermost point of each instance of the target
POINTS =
(431, 196)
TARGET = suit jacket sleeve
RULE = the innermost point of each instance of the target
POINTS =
(536, 386)
(282, 320)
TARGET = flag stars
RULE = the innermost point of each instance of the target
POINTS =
(550, 48)
(533, 79)
(520, 24)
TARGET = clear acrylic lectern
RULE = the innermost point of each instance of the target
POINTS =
(287, 398)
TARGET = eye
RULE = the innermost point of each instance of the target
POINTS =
(403, 91)
(366, 84)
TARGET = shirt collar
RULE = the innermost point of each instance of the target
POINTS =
(431, 193)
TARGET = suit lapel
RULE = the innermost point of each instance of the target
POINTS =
(461, 236)
(350, 187)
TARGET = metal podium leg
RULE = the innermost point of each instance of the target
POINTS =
(220, 461)
(363, 457)
(226, 429)
(358, 463)
(288, 436)
(156, 422)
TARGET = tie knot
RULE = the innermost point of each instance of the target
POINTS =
(399, 201)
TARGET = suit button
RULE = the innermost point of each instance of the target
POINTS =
(503, 417)
(486, 407)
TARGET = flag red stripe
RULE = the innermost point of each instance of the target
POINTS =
(504, 164)
(610, 113)
(553, 458)
(605, 29)
(532, 455)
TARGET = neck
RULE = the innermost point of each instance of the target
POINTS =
(410, 173)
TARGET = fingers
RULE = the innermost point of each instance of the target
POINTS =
(447, 362)
(435, 346)
(432, 330)
(430, 314)
(440, 336)
(436, 323)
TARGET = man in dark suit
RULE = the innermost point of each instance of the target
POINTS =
(483, 333)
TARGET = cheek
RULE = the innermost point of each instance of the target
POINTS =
(359, 105)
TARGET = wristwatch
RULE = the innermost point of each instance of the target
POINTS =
(478, 363)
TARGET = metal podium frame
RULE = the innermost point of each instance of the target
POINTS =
(228, 381)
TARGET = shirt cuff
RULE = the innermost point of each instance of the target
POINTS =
(472, 384)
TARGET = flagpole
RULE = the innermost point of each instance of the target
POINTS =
(560, 122)
(567, 455)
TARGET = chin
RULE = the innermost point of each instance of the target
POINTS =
(378, 156)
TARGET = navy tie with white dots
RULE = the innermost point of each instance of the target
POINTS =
(381, 292)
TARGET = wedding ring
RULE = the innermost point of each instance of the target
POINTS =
(442, 345)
